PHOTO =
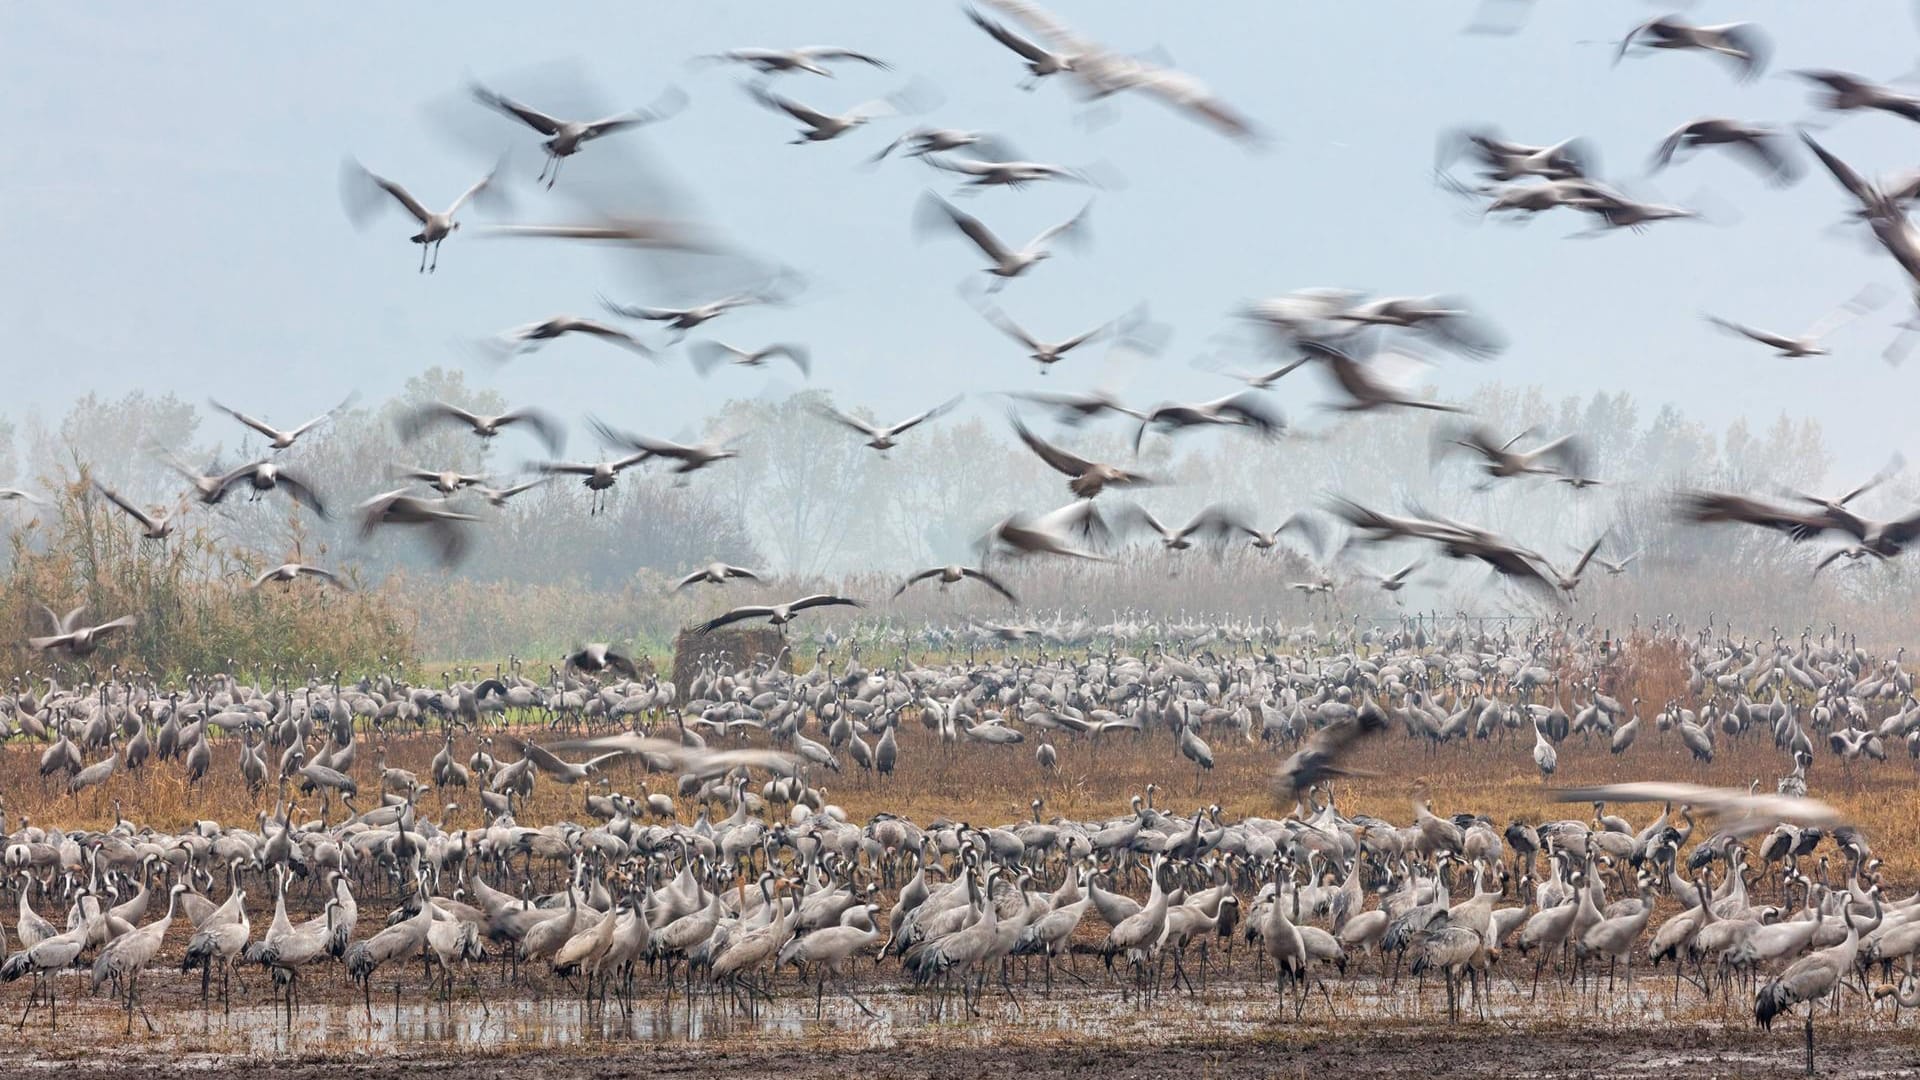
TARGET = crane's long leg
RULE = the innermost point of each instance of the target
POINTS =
(133, 993)
(848, 991)
(1179, 974)
(1077, 977)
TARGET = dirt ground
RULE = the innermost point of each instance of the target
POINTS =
(1436, 1052)
(1236, 1028)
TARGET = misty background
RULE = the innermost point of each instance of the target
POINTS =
(175, 232)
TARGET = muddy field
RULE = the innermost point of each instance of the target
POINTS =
(1436, 1049)
(1413, 1053)
(1235, 1026)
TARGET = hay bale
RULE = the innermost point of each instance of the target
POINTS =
(731, 646)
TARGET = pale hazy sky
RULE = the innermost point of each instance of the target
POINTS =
(170, 210)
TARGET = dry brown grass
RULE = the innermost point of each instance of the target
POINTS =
(986, 785)
(196, 613)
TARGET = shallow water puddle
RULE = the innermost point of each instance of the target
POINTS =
(509, 1019)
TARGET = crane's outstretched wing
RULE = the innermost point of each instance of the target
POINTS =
(738, 614)
(1061, 461)
(533, 118)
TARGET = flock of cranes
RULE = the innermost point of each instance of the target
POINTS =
(753, 870)
(1361, 340)
(735, 865)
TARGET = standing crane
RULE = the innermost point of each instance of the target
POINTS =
(125, 957)
(399, 941)
(41, 960)
(1814, 976)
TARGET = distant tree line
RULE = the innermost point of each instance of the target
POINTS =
(807, 503)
